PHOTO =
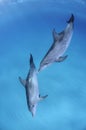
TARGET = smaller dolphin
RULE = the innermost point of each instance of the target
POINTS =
(60, 44)
(31, 87)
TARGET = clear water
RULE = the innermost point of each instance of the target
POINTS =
(26, 27)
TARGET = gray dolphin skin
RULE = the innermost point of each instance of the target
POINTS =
(60, 44)
(31, 87)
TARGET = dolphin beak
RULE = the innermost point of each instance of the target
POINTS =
(33, 114)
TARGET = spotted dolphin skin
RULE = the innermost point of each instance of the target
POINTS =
(31, 87)
(60, 44)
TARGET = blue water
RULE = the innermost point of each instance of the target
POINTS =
(26, 27)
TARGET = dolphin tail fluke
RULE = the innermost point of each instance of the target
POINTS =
(23, 82)
(31, 61)
(61, 58)
(71, 19)
(42, 97)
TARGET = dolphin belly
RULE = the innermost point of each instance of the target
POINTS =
(54, 54)
(32, 89)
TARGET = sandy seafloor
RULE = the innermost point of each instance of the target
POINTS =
(26, 27)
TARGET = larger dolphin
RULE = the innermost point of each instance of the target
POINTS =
(60, 44)
(31, 87)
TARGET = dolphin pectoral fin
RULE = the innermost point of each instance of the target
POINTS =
(61, 58)
(42, 97)
(23, 82)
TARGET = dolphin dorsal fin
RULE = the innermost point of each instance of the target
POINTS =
(22, 81)
(55, 35)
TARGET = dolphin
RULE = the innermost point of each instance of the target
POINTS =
(31, 87)
(60, 44)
